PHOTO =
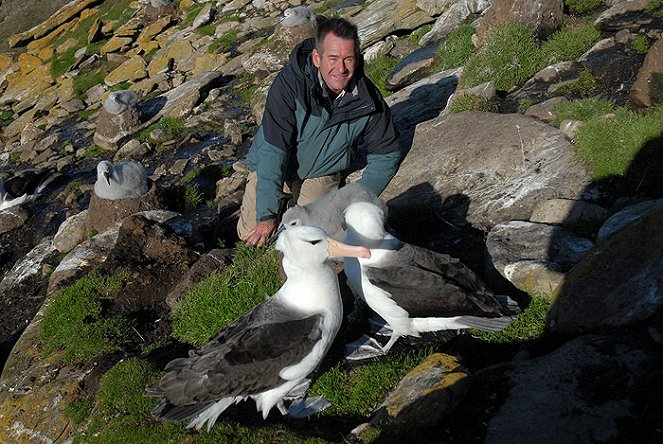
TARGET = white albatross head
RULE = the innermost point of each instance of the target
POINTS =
(105, 171)
(366, 219)
(306, 245)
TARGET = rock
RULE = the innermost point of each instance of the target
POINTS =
(533, 257)
(235, 5)
(626, 15)
(412, 68)
(385, 17)
(12, 218)
(71, 233)
(116, 44)
(573, 214)
(446, 23)
(63, 15)
(103, 213)
(504, 167)
(587, 386)
(213, 261)
(421, 101)
(30, 133)
(133, 149)
(232, 133)
(647, 90)
(27, 62)
(486, 92)
(180, 101)
(544, 111)
(617, 288)
(613, 67)
(570, 128)
(28, 266)
(112, 130)
(131, 70)
(426, 394)
(544, 17)
(624, 218)
(154, 29)
(26, 88)
(205, 16)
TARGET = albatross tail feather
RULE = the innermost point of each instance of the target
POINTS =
(461, 322)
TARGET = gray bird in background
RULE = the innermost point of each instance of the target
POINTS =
(120, 181)
(160, 3)
(327, 212)
(118, 102)
(297, 16)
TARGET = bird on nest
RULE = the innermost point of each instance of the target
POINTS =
(413, 289)
(269, 351)
(121, 181)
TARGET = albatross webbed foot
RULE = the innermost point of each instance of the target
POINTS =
(363, 348)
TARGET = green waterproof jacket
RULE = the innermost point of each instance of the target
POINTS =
(304, 134)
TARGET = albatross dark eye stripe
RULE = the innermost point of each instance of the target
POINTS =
(315, 242)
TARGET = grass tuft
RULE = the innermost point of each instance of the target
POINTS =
(379, 69)
(471, 102)
(456, 49)
(360, 391)
(75, 321)
(626, 145)
(570, 43)
(529, 326)
(582, 109)
(224, 296)
(509, 56)
(582, 6)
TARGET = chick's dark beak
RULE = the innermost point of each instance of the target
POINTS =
(275, 236)
(107, 176)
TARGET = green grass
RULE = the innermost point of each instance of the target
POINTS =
(626, 145)
(586, 84)
(530, 325)
(224, 296)
(6, 117)
(570, 43)
(84, 82)
(93, 151)
(225, 42)
(75, 322)
(73, 186)
(471, 102)
(361, 390)
(60, 63)
(582, 6)
(509, 57)
(640, 44)
(192, 196)
(456, 49)
(191, 175)
(379, 69)
(79, 410)
(173, 128)
(419, 33)
(582, 109)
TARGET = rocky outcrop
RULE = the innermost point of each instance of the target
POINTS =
(505, 166)
(618, 282)
(544, 17)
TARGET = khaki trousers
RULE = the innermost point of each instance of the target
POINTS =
(300, 192)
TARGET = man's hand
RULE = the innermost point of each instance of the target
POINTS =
(259, 235)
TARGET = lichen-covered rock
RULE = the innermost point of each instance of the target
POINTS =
(71, 233)
(12, 218)
(647, 90)
(384, 17)
(113, 129)
(426, 394)
(131, 70)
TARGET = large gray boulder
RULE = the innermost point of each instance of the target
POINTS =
(504, 164)
(619, 282)
(596, 388)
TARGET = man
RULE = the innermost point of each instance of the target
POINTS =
(318, 109)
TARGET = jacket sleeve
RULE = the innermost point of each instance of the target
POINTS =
(273, 146)
(383, 151)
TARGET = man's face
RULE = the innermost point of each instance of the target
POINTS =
(337, 62)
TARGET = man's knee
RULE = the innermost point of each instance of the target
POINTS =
(247, 213)
(315, 188)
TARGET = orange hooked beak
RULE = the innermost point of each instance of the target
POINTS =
(339, 249)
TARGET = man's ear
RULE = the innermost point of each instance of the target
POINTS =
(315, 55)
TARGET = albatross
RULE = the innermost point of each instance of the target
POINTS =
(413, 289)
(271, 349)
(120, 181)
(327, 212)
(23, 187)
